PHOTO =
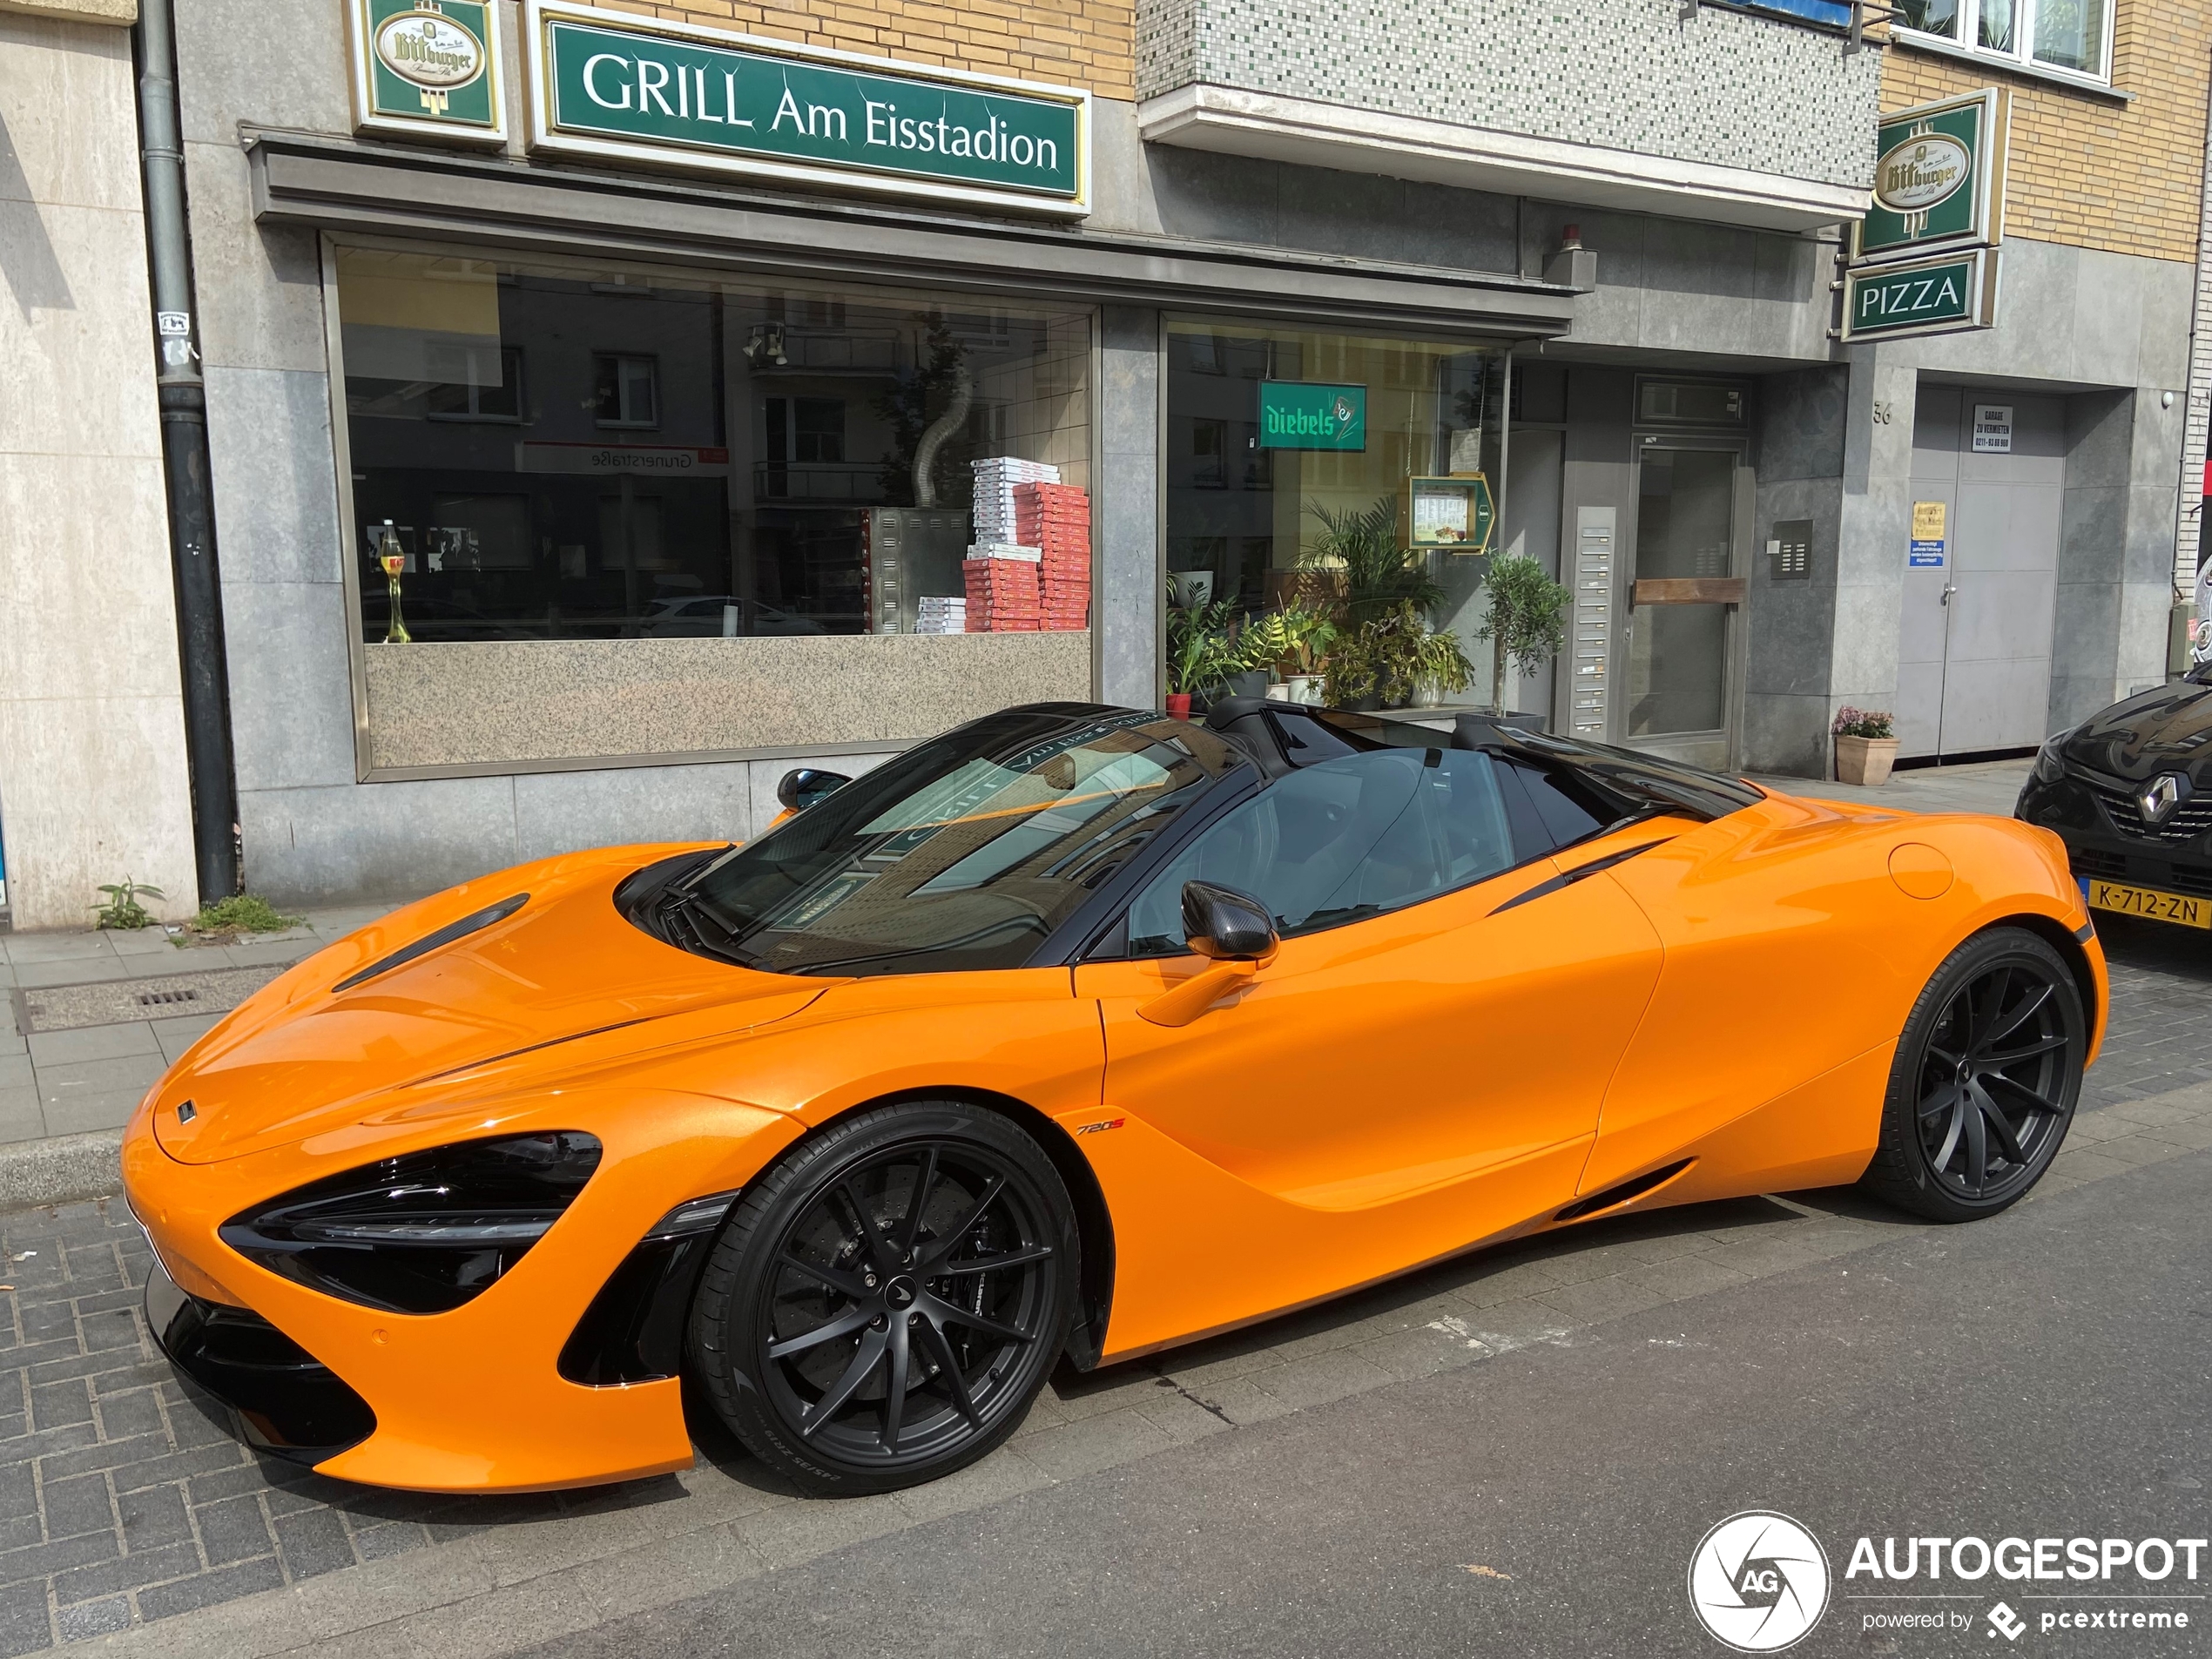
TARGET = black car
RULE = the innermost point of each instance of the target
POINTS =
(2129, 791)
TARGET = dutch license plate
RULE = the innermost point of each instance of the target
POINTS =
(2149, 901)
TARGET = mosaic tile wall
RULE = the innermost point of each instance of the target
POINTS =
(1721, 87)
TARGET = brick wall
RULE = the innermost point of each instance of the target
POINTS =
(2087, 170)
(1068, 43)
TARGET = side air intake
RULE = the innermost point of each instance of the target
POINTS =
(473, 922)
(1621, 1194)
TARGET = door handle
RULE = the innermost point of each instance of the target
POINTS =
(1948, 591)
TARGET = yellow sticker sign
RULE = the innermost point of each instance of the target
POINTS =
(1928, 521)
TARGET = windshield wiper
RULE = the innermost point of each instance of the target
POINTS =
(682, 914)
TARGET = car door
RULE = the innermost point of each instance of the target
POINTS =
(1418, 1066)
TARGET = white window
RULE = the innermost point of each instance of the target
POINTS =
(626, 391)
(2071, 37)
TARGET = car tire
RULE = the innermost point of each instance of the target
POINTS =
(1984, 1084)
(849, 1337)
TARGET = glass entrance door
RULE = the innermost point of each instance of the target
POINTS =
(1685, 592)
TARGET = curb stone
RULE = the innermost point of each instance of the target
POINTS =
(61, 1169)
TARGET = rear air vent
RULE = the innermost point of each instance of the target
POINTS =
(1621, 1194)
(474, 922)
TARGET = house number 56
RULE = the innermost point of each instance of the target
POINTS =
(1881, 415)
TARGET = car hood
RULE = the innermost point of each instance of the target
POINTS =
(2166, 730)
(302, 1055)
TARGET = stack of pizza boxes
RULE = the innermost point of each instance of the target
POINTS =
(1002, 588)
(1055, 520)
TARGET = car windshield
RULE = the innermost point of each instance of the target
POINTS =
(963, 852)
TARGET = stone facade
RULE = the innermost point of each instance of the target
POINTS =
(1721, 87)
(92, 784)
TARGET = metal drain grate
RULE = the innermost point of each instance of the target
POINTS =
(67, 1007)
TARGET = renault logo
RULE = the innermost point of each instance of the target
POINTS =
(2160, 796)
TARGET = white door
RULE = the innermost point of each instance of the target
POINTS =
(1974, 634)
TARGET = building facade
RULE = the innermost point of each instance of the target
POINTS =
(92, 779)
(657, 371)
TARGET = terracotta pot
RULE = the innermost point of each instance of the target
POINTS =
(1179, 704)
(1864, 760)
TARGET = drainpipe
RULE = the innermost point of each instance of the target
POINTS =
(184, 449)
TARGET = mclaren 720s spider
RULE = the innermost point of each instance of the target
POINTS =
(1077, 1032)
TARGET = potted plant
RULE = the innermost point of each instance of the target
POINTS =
(1290, 641)
(1439, 668)
(1372, 570)
(1865, 747)
(1200, 652)
(1353, 671)
(1527, 623)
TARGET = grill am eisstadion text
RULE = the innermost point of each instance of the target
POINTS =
(693, 96)
(883, 125)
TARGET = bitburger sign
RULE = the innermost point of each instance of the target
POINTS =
(1939, 181)
(427, 68)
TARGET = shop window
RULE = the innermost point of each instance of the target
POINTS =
(1249, 504)
(626, 391)
(750, 462)
(2070, 36)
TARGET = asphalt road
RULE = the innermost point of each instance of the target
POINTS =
(2044, 1373)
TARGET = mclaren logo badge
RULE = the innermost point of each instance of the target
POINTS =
(2160, 796)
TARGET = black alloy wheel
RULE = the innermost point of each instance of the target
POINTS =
(888, 1300)
(1984, 1084)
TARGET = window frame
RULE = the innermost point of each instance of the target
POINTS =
(622, 360)
(510, 360)
(1120, 943)
(1962, 40)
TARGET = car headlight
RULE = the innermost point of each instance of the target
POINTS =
(423, 1233)
(2049, 767)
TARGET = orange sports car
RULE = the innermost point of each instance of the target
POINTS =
(1074, 1032)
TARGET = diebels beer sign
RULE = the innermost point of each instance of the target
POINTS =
(1303, 414)
(607, 86)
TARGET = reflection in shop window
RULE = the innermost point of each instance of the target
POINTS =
(501, 399)
(1209, 457)
(626, 391)
(689, 457)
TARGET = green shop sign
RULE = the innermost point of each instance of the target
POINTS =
(606, 85)
(1921, 297)
(1939, 177)
(427, 67)
(1297, 415)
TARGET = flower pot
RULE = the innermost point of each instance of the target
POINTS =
(1427, 694)
(1252, 684)
(1864, 760)
(1179, 704)
(1366, 705)
(1193, 589)
(1303, 688)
